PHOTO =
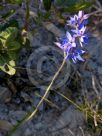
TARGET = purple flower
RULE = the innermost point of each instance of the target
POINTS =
(75, 54)
(82, 16)
(80, 33)
(71, 39)
(66, 43)
(73, 20)
(78, 20)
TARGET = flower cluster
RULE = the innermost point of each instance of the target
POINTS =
(69, 43)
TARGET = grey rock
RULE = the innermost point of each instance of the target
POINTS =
(17, 115)
(100, 70)
(5, 94)
(72, 119)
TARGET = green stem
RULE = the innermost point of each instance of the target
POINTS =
(30, 115)
(47, 90)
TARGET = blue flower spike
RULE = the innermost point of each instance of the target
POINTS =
(78, 20)
(69, 43)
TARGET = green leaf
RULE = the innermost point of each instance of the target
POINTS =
(6, 64)
(10, 33)
(8, 69)
(5, 58)
(12, 55)
(14, 1)
(77, 7)
(13, 46)
(10, 23)
(1, 45)
(47, 4)
(12, 63)
(4, 35)
(2, 60)
(8, 14)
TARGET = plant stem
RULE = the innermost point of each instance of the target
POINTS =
(47, 90)
(95, 12)
(29, 114)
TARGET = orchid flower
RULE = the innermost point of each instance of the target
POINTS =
(80, 33)
(75, 54)
(69, 43)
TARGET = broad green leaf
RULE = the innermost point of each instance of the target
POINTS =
(6, 64)
(2, 60)
(47, 4)
(13, 46)
(8, 69)
(2, 38)
(12, 63)
(4, 35)
(10, 33)
(12, 55)
(5, 58)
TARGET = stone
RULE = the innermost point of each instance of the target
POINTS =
(5, 94)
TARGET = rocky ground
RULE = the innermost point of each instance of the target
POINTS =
(21, 93)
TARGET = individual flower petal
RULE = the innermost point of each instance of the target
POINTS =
(86, 16)
(79, 57)
(71, 40)
(75, 31)
(83, 23)
(67, 48)
(73, 44)
(81, 39)
(63, 40)
(82, 30)
(69, 36)
(58, 44)
(80, 14)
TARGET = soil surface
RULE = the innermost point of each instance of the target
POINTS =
(19, 94)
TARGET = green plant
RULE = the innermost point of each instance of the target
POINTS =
(9, 46)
